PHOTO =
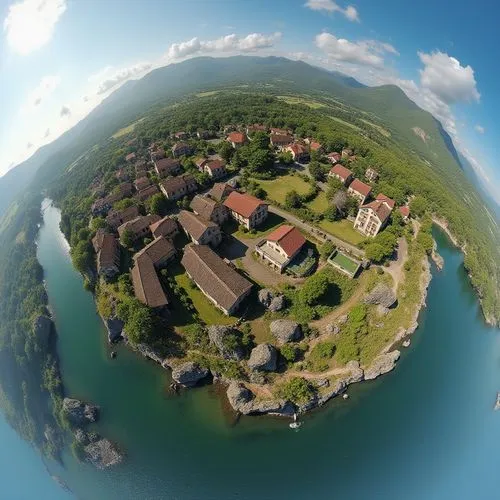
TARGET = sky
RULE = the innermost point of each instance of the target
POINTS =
(60, 58)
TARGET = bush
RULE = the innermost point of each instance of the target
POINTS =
(321, 353)
(297, 390)
(326, 249)
(289, 353)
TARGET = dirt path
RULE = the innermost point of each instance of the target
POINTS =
(333, 372)
(396, 269)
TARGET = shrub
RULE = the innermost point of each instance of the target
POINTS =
(289, 353)
(321, 353)
(297, 390)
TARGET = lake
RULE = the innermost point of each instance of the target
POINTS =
(426, 430)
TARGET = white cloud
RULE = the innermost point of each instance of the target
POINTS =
(30, 23)
(447, 78)
(366, 52)
(229, 43)
(120, 76)
(43, 90)
(349, 12)
(479, 129)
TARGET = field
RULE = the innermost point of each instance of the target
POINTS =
(301, 100)
(342, 229)
(125, 130)
(319, 205)
(277, 189)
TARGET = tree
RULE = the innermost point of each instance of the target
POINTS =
(326, 249)
(139, 326)
(334, 185)
(317, 170)
(285, 157)
(425, 240)
(157, 204)
(260, 140)
(226, 151)
(314, 288)
(293, 200)
(97, 223)
(260, 160)
(418, 206)
(125, 203)
(127, 238)
(375, 252)
(339, 201)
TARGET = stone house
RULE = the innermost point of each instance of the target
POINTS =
(237, 139)
(147, 286)
(220, 191)
(209, 209)
(138, 227)
(299, 152)
(201, 231)
(175, 188)
(146, 193)
(342, 173)
(166, 167)
(116, 218)
(108, 254)
(160, 251)
(371, 174)
(182, 149)
(245, 209)
(215, 168)
(142, 183)
(166, 227)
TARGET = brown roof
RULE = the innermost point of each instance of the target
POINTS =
(167, 165)
(237, 137)
(142, 182)
(279, 131)
(214, 276)
(107, 249)
(158, 250)
(341, 171)
(220, 190)
(117, 217)
(181, 145)
(315, 145)
(386, 199)
(165, 226)
(147, 286)
(404, 211)
(173, 184)
(147, 192)
(214, 164)
(257, 128)
(204, 206)
(281, 139)
(289, 238)
(243, 204)
(200, 162)
(138, 224)
(360, 187)
(334, 155)
(297, 149)
(130, 157)
(194, 224)
(381, 210)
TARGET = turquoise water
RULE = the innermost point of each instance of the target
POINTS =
(427, 430)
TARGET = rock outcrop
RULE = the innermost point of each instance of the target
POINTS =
(263, 358)
(271, 300)
(114, 326)
(243, 401)
(225, 338)
(382, 364)
(189, 374)
(382, 295)
(80, 413)
(357, 374)
(285, 330)
(102, 453)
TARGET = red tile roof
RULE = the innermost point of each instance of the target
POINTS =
(215, 164)
(289, 238)
(380, 208)
(341, 171)
(243, 204)
(281, 139)
(297, 149)
(314, 145)
(236, 137)
(360, 187)
(405, 211)
(334, 155)
(386, 199)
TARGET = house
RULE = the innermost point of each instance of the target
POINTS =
(146, 193)
(182, 149)
(220, 191)
(200, 163)
(220, 283)
(209, 209)
(123, 190)
(237, 139)
(122, 175)
(165, 227)
(108, 254)
(175, 188)
(116, 218)
(141, 169)
(359, 190)
(215, 169)
(372, 217)
(334, 157)
(130, 157)
(252, 129)
(103, 205)
(315, 146)
(245, 209)
(343, 174)
(371, 174)
(347, 152)
(100, 207)
(203, 134)
(386, 199)
(281, 246)
(157, 154)
(142, 182)
(160, 251)
(200, 230)
(167, 166)
(147, 286)
(299, 152)
(138, 227)
(280, 131)
(405, 212)
(181, 136)
(281, 140)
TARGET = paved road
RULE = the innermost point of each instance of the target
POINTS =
(317, 233)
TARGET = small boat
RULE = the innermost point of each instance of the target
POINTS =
(295, 424)
(113, 354)
(345, 395)
(406, 343)
(497, 403)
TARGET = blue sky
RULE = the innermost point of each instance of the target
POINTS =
(60, 58)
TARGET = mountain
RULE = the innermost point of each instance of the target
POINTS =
(388, 104)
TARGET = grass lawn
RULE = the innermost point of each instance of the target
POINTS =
(342, 229)
(126, 130)
(344, 262)
(278, 188)
(320, 204)
(301, 100)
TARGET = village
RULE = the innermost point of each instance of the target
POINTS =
(242, 252)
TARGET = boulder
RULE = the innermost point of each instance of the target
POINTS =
(223, 337)
(102, 453)
(263, 358)
(382, 364)
(277, 304)
(81, 436)
(342, 320)
(266, 295)
(325, 396)
(285, 330)
(332, 329)
(243, 401)
(114, 326)
(382, 295)
(271, 300)
(189, 374)
(79, 413)
(357, 373)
